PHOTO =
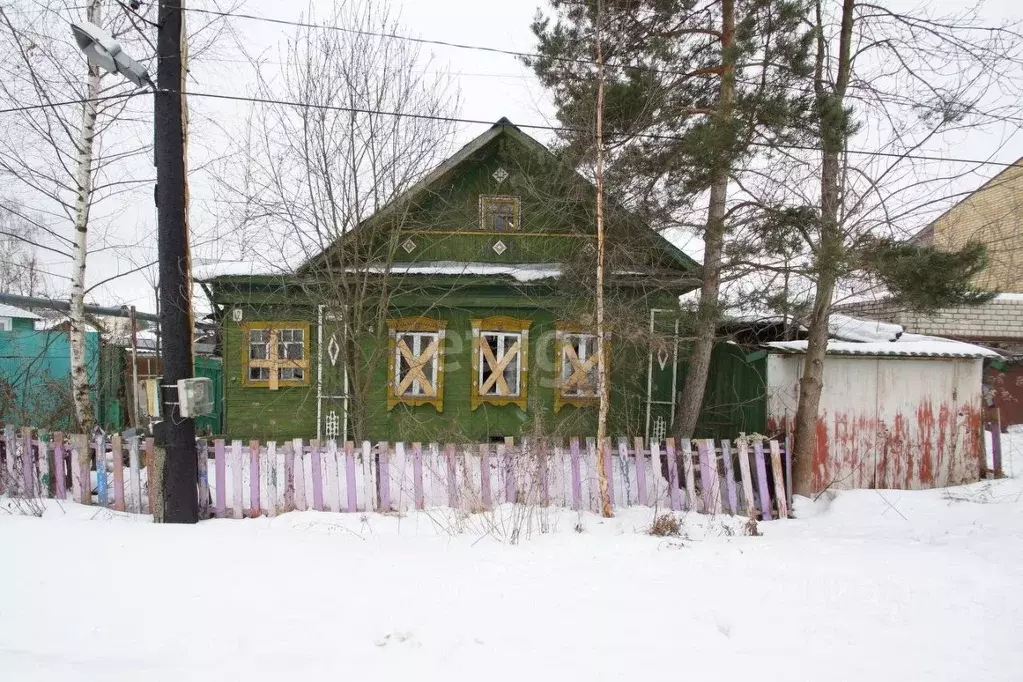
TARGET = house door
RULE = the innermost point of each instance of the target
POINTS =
(662, 373)
(331, 378)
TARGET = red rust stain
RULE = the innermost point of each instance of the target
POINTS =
(946, 431)
(975, 448)
(902, 453)
(821, 457)
(925, 423)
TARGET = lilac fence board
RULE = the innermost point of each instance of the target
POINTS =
(10, 448)
(628, 468)
(368, 487)
(765, 496)
(202, 450)
(289, 476)
(779, 481)
(788, 467)
(28, 477)
(329, 456)
(237, 470)
(509, 470)
(747, 479)
(383, 461)
(316, 468)
(641, 491)
(709, 477)
(60, 483)
(272, 469)
(669, 446)
(81, 468)
(101, 471)
(352, 497)
(726, 457)
(577, 490)
(485, 492)
(689, 471)
(220, 467)
(298, 452)
(134, 477)
(118, 456)
(255, 509)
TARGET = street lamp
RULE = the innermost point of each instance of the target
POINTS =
(176, 433)
(102, 50)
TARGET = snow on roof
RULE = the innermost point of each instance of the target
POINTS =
(919, 347)
(1012, 298)
(207, 269)
(525, 272)
(846, 328)
(11, 311)
(54, 322)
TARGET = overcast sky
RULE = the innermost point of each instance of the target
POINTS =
(491, 85)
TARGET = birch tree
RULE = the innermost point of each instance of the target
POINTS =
(81, 140)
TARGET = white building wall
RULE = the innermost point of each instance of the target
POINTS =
(887, 422)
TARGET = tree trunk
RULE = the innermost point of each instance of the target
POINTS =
(833, 131)
(83, 199)
(705, 329)
(603, 388)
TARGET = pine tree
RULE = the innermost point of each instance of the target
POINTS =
(689, 88)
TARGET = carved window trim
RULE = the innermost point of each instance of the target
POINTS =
(489, 205)
(273, 362)
(429, 332)
(508, 327)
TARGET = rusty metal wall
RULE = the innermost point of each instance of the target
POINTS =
(887, 422)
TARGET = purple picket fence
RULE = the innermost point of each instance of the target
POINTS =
(254, 479)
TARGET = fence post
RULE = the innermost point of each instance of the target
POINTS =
(117, 449)
(368, 482)
(689, 470)
(289, 476)
(637, 454)
(271, 478)
(329, 457)
(788, 467)
(509, 469)
(81, 465)
(996, 444)
(669, 447)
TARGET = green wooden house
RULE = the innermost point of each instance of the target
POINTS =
(463, 310)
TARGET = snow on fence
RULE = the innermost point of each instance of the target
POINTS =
(237, 479)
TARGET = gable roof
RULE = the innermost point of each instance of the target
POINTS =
(11, 311)
(502, 127)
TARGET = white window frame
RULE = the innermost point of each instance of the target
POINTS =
(6, 324)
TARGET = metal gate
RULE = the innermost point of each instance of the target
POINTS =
(331, 377)
(662, 373)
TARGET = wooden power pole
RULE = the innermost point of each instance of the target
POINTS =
(175, 435)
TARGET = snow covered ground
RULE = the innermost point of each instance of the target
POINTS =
(869, 585)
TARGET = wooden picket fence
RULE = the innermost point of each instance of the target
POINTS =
(252, 479)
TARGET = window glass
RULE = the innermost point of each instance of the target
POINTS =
(500, 353)
(500, 214)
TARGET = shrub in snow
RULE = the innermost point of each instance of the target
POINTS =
(666, 526)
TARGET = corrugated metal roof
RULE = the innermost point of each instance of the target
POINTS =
(11, 311)
(912, 349)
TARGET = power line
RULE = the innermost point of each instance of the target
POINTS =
(565, 129)
(53, 105)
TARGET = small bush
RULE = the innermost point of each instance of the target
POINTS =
(750, 529)
(666, 526)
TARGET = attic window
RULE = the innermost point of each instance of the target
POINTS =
(499, 214)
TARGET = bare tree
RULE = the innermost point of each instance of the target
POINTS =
(371, 122)
(20, 272)
(67, 163)
(887, 87)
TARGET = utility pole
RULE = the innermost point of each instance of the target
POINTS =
(175, 435)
